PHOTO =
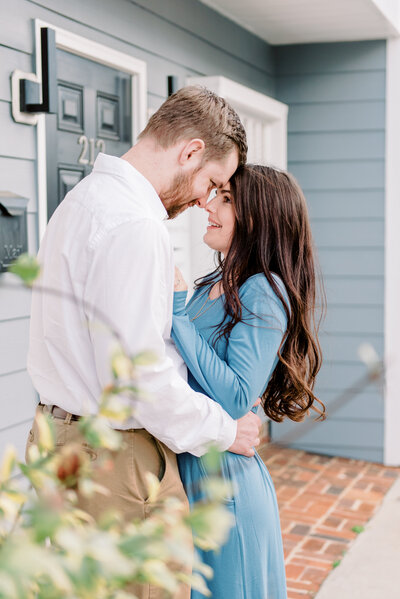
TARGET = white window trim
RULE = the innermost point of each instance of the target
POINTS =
(392, 256)
(256, 105)
(243, 98)
(86, 48)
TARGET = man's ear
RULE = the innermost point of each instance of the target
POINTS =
(192, 153)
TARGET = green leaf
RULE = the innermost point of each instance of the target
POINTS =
(210, 523)
(212, 461)
(144, 359)
(336, 563)
(98, 433)
(26, 267)
(114, 408)
(43, 522)
(358, 529)
(46, 432)
(121, 365)
(9, 461)
(135, 545)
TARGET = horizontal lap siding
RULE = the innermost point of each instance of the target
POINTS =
(170, 46)
(174, 37)
(336, 149)
(17, 175)
(17, 399)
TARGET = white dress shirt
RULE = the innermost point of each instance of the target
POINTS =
(107, 246)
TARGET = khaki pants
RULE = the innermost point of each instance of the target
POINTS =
(141, 453)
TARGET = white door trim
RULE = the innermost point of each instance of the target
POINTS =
(392, 256)
(87, 48)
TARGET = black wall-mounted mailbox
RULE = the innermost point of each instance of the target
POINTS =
(13, 228)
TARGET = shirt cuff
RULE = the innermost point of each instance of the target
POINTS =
(228, 435)
(179, 302)
(223, 443)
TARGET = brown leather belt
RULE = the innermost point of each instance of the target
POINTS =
(59, 412)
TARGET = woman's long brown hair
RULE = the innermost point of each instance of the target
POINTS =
(272, 235)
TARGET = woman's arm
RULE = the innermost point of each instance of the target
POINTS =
(235, 383)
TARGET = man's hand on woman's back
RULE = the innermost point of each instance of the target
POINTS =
(247, 434)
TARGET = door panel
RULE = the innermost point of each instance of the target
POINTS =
(108, 120)
(94, 115)
(67, 179)
(70, 108)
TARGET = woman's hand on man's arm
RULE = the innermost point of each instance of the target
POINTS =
(179, 282)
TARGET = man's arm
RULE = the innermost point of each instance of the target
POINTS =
(130, 280)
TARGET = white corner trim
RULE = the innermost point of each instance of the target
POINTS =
(86, 48)
(390, 11)
(392, 256)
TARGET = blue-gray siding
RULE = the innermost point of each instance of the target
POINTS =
(177, 37)
(336, 149)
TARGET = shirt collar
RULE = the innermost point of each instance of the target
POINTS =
(105, 163)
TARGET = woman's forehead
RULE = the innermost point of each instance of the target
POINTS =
(225, 189)
(220, 191)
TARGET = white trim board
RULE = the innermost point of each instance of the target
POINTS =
(390, 11)
(86, 48)
(392, 256)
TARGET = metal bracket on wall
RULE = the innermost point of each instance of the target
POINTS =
(26, 89)
(173, 84)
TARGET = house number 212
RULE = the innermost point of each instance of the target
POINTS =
(90, 145)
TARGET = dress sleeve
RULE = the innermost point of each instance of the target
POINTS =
(236, 382)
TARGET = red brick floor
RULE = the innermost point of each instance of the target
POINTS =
(324, 502)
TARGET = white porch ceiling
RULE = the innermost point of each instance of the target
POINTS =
(304, 21)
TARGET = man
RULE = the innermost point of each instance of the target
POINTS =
(107, 246)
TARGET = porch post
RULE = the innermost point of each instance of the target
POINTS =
(392, 256)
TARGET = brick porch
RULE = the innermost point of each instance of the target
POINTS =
(323, 501)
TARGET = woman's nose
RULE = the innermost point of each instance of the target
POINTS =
(211, 205)
(205, 200)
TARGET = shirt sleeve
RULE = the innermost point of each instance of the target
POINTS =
(131, 281)
(236, 381)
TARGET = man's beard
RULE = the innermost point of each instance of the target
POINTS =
(177, 198)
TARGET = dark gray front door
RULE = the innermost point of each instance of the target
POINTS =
(94, 115)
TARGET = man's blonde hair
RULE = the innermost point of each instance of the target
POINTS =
(196, 112)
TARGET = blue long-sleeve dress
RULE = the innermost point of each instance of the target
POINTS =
(234, 373)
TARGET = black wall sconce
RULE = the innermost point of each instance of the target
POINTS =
(173, 84)
(29, 97)
(30, 91)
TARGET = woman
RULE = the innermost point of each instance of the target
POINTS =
(249, 331)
